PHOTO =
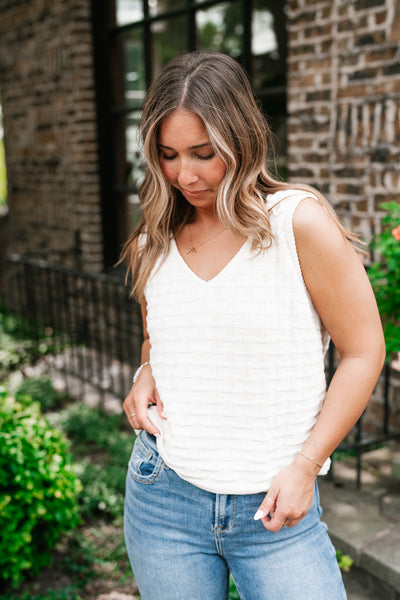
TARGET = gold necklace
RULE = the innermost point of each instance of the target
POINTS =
(193, 249)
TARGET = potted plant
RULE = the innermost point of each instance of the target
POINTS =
(384, 274)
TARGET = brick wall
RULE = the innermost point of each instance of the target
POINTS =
(48, 99)
(344, 127)
(344, 103)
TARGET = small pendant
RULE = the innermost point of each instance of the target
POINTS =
(192, 250)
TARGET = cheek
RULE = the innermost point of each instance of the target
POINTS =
(220, 171)
(168, 171)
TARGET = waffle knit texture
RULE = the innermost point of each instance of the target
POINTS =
(238, 361)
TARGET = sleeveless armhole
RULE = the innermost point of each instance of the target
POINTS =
(283, 209)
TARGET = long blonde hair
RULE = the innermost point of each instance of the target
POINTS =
(216, 88)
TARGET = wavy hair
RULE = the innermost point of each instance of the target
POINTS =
(215, 88)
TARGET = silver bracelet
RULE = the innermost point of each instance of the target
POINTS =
(311, 459)
(139, 370)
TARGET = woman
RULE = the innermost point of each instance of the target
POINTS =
(241, 278)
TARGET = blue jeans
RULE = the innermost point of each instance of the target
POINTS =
(183, 541)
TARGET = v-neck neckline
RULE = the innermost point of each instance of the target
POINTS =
(217, 275)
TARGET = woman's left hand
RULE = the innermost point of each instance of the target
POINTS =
(290, 496)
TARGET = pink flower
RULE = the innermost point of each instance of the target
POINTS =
(396, 233)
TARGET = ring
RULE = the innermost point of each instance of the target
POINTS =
(283, 523)
(132, 415)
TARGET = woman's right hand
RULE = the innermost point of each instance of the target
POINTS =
(142, 394)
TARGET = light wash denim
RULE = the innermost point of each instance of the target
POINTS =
(183, 541)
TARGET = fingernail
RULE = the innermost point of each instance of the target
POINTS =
(157, 435)
(260, 514)
(163, 415)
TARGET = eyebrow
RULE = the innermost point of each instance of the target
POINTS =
(190, 148)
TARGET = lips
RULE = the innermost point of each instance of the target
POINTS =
(193, 192)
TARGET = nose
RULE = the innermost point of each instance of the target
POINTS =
(187, 173)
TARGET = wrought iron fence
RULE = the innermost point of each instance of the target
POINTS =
(90, 327)
(93, 333)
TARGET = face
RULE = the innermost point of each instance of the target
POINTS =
(187, 158)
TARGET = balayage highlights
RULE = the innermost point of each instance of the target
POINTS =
(216, 88)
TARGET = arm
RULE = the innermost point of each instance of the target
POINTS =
(340, 290)
(144, 391)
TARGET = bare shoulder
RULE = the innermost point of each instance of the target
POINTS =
(313, 226)
(325, 255)
(336, 280)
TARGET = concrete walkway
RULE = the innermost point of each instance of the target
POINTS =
(366, 523)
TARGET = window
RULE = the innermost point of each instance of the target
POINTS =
(142, 36)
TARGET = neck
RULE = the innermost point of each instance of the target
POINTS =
(205, 219)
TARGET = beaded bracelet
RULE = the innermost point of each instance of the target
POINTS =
(139, 370)
(311, 459)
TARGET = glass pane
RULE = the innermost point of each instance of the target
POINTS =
(129, 11)
(268, 44)
(134, 155)
(220, 28)
(134, 69)
(264, 37)
(169, 39)
(269, 48)
(158, 7)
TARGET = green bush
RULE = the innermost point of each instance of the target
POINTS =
(233, 593)
(23, 342)
(103, 481)
(13, 353)
(344, 560)
(91, 426)
(38, 489)
(14, 326)
(99, 498)
(101, 448)
(18, 344)
(384, 274)
(39, 389)
(68, 593)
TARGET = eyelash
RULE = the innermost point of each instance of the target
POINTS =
(208, 157)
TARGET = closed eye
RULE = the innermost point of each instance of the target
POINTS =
(208, 157)
(167, 156)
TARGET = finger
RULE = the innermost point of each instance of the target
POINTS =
(137, 416)
(147, 424)
(131, 416)
(160, 405)
(134, 422)
(276, 522)
(293, 522)
(266, 506)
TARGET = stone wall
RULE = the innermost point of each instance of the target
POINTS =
(49, 118)
(344, 103)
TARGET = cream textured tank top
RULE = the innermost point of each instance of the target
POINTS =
(238, 361)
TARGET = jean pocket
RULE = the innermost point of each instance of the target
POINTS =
(145, 464)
